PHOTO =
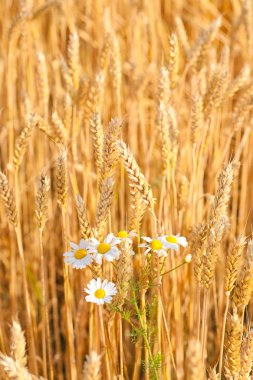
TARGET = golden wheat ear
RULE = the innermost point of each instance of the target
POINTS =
(92, 367)
(42, 201)
(104, 205)
(246, 355)
(15, 366)
(198, 53)
(8, 199)
(61, 178)
(110, 149)
(196, 369)
(83, 218)
(233, 339)
(244, 284)
(135, 176)
(98, 137)
(18, 344)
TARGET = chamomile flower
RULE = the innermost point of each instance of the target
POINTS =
(100, 292)
(107, 249)
(127, 236)
(78, 257)
(174, 241)
(153, 245)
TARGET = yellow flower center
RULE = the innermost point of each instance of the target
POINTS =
(171, 239)
(80, 254)
(100, 293)
(156, 244)
(122, 234)
(103, 248)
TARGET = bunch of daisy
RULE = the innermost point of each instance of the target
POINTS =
(161, 244)
(83, 254)
(87, 251)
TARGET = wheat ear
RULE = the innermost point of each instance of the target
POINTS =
(233, 264)
(73, 58)
(43, 83)
(22, 141)
(173, 60)
(244, 285)
(83, 218)
(8, 198)
(61, 178)
(104, 205)
(110, 149)
(123, 273)
(246, 356)
(98, 136)
(198, 53)
(92, 367)
(14, 370)
(232, 346)
(18, 344)
(195, 365)
(42, 201)
(136, 178)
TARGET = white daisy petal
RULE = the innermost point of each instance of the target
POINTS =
(74, 245)
(84, 244)
(147, 251)
(69, 260)
(109, 238)
(132, 234)
(182, 241)
(146, 238)
(68, 254)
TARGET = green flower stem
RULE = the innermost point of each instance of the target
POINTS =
(171, 270)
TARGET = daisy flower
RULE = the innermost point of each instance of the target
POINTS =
(153, 245)
(100, 292)
(127, 236)
(107, 249)
(174, 241)
(79, 256)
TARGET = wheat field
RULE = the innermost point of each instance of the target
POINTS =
(126, 169)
